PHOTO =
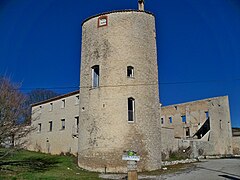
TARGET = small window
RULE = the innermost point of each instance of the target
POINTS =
(51, 107)
(130, 71)
(95, 76)
(162, 120)
(220, 123)
(207, 114)
(187, 132)
(131, 109)
(40, 109)
(77, 123)
(102, 21)
(50, 126)
(184, 119)
(77, 100)
(170, 120)
(63, 103)
(39, 127)
(63, 124)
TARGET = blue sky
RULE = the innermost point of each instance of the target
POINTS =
(198, 45)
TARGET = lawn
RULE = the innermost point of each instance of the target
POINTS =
(23, 165)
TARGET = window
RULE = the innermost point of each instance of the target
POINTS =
(170, 120)
(51, 107)
(130, 71)
(63, 103)
(187, 132)
(184, 119)
(162, 120)
(95, 76)
(40, 109)
(63, 124)
(207, 114)
(77, 123)
(77, 100)
(102, 21)
(220, 123)
(39, 127)
(131, 108)
(50, 125)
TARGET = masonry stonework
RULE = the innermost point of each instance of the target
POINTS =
(59, 139)
(217, 140)
(118, 104)
(128, 39)
(236, 145)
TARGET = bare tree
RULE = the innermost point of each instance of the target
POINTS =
(38, 95)
(14, 113)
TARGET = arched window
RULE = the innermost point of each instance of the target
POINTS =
(130, 71)
(131, 109)
(95, 76)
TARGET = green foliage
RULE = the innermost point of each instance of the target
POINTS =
(181, 153)
(24, 164)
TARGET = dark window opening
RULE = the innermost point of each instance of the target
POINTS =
(95, 76)
(184, 119)
(77, 123)
(50, 125)
(63, 124)
(130, 71)
(131, 108)
(170, 120)
(162, 121)
(187, 132)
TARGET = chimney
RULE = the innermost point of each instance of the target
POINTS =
(141, 5)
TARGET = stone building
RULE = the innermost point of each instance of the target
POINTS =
(236, 141)
(203, 125)
(56, 121)
(118, 109)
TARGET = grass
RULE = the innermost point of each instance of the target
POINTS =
(24, 165)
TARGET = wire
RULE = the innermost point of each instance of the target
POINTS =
(125, 85)
(90, 87)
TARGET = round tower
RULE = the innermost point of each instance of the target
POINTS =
(119, 97)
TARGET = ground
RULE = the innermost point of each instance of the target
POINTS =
(25, 165)
(209, 170)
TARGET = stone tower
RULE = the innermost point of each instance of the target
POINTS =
(119, 97)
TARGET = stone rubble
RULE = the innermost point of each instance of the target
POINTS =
(168, 163)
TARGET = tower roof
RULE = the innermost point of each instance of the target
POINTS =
(116, 11)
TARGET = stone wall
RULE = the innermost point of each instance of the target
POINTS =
(128, 39)
(60, 139)
(218, 141)
(169, 143)
(236, 145)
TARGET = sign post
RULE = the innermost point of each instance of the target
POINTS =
(131, 158)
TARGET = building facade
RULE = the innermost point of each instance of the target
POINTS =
(56, 125)
(203, 124)
(118, 109)
(120, 98)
